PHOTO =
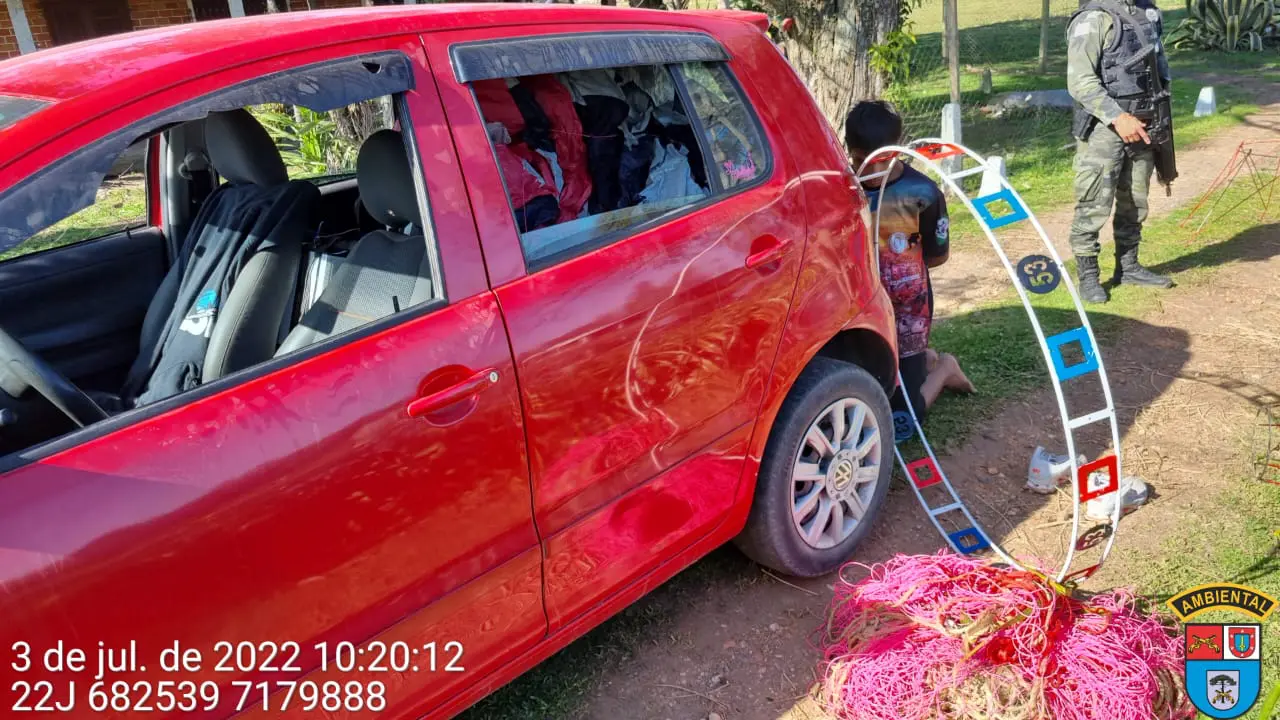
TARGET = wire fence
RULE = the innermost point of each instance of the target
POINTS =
(1011, 102)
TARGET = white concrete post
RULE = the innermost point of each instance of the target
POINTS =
(952, 133)
(995, 172)
(21, 28)
(1207, 103)
(237, 7)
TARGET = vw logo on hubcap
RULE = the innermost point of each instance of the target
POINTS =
(843, 474)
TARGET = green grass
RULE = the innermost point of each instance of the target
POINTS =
(996, 344)
(118, 207)
(976, 13)
(1033, 141)
(1235, 540)
(999, 352)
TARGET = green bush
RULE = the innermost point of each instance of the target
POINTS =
(310, 142)
(1224, 25)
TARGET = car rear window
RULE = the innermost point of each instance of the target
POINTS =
(13, 109)
(589, 156)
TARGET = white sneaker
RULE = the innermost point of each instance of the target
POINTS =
(1046, 471)
(1132, 490)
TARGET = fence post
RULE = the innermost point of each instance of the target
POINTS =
(946, 13)
(1044, 38)
(953, 49)
(952, 132)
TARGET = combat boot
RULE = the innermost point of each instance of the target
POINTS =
(1130, 272)
(1090, 289)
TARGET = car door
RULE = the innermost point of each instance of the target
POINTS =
(76, 293)
(644, 350)
(320, 518)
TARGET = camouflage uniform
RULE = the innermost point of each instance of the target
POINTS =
(1109, 72)
(1105, 173)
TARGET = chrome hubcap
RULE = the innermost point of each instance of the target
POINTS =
(835, 473)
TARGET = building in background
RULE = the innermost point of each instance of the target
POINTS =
(30, 25)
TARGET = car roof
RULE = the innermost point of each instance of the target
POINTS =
(192, 49)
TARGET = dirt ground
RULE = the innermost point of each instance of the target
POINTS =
(1188, 378)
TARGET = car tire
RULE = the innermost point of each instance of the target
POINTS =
(776, 534)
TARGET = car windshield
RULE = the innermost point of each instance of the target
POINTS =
(13, 109)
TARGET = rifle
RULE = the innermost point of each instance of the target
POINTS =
(1157, 113)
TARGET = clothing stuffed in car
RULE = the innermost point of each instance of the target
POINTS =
(621, 139)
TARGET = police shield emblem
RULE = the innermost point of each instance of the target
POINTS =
(1223, 668)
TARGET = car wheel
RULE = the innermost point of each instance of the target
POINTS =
(825, 471)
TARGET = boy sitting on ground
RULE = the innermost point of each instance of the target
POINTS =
(914, 230)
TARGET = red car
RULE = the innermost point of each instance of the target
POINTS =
(358, 360)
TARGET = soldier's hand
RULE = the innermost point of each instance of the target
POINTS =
(1131, 129)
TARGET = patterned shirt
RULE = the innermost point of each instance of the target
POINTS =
(914, 230)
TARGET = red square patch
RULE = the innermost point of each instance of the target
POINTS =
(1204, 642)
(1112, 466)
(924, 473)
(937, 151)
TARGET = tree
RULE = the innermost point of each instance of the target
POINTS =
(830, 43)
(1222, 681)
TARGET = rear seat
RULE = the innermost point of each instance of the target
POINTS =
(320, 267)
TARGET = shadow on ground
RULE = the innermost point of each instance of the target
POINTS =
(727, 618)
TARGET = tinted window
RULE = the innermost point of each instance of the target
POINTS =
(588, 155)
(13, 109)
(732, 135)
(120, 204)
(322, 146)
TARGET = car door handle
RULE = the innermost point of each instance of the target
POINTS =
(767, 255)
(453, 394)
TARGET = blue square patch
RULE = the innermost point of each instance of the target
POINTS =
(968, 541)
(984, 203)
(1066, 372)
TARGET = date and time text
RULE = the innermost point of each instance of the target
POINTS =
(78, 679)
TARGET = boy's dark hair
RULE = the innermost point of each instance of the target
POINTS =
(871, 125)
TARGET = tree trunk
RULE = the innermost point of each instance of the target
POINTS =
(1044, 38)
(829, 45)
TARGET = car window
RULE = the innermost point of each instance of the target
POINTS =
(356, 268)
(587, 154)
(13, 109)
(732, 135)
(322, 146)
(119, 204)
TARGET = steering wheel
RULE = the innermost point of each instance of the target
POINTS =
(20, 369)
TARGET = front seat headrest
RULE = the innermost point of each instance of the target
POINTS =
(386, 180)
(241, 150)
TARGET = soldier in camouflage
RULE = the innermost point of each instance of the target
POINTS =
(1109, 42)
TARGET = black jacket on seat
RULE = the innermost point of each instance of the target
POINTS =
(222, 304)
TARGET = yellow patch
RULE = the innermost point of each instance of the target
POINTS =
(1203, 598)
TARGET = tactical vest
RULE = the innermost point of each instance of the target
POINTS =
(1127, 73)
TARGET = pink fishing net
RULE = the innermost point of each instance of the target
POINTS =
(950, 637)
